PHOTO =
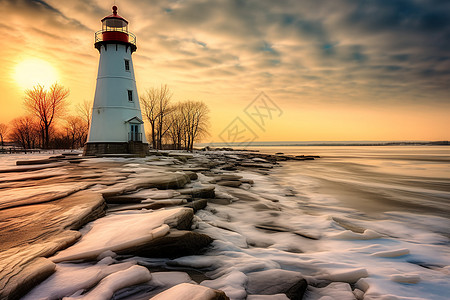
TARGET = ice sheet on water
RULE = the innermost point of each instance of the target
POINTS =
(379, 250)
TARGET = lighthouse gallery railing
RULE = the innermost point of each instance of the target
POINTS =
(99, 35)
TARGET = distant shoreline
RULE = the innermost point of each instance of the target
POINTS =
(316, 144)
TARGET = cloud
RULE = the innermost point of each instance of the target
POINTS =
(351, 51)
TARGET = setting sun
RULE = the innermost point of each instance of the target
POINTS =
(31, 72)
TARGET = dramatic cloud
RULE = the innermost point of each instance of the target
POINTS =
(384, 52)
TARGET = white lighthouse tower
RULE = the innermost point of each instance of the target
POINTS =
(116, 122)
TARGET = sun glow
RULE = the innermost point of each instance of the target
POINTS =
(31, 72)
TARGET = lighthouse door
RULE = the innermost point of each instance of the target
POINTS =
(134, 134)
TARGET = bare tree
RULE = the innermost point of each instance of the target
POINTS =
(176, 130)
(46, 105)
(195, 116)
(3, 131)
(85, 111)
(25, 131)
(76, 131)
(156, 104)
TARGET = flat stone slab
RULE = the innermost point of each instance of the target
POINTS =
(33, 231)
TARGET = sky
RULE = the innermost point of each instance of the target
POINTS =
(300, 70)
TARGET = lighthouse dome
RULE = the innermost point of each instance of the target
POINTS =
(115, 30)
(114, 20)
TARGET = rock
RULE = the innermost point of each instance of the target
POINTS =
(233, 284)
(244, 195)
(268, 297)
(335, 290)
(33, 231)
(159, 181)
(230, 183)
(185, 291)
(150, 205)
(121, 232)
(105, 289)
(197, 205)
(249, 181)
(225, 177)
(257, 165)
(192, 175)
(31, 168)
(346, 275)
(278, 228)
(33, 194)
(123, 199)
(35, 162)
(260, 160)
(175, 244)
(71, 278)
(206, 191)
(229, 167)
(29, 276)
(276, 281)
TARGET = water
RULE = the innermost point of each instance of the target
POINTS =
(373, 180)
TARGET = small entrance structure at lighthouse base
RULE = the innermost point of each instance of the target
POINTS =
(116, 122)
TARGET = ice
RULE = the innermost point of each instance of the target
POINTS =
(120, 231)
(70, 278)
(335, 290)
(349, 276)
(233, 284)
(350, 235)
(392, 253)
(405, 278)
(170, 279)
(114, 282)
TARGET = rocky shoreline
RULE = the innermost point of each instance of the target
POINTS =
(137, 228)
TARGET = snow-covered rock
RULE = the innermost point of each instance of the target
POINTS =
(123, 231)
(190, 291)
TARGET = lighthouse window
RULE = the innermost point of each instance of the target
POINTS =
(130, 95)
(127, 65)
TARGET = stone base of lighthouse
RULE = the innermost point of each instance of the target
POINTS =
(98, 149)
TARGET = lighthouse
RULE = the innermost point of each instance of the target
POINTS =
(116, 122)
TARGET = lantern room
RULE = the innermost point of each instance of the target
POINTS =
(115, 29)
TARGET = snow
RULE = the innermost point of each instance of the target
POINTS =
(114, 282)
(70, 278)
(391, 253)
(169, 279)
(120, 231)
(185, 291)
(335, 290)
(233, 284)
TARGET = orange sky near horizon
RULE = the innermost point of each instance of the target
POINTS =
(336, 71)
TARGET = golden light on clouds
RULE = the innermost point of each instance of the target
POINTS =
(31, 72)
(340, 70)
